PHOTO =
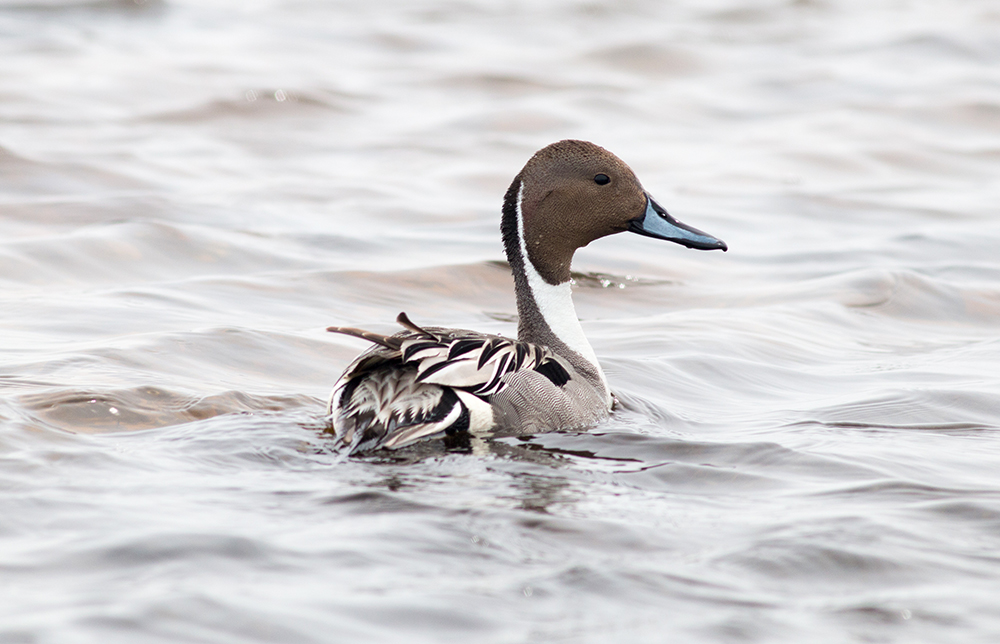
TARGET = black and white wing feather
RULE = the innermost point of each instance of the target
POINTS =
(421, 383)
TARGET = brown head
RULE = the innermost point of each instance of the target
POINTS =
(573, 192)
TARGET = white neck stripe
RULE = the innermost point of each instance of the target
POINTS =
(556, 303)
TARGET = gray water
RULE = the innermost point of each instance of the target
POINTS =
(191, 191)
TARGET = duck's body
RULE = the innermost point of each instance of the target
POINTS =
(434, 382)
(429, 383)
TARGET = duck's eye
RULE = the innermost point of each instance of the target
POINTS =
(602, 179)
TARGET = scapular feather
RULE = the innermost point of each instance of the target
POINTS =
(405, 390)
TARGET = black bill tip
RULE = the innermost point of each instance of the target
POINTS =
(656, 222)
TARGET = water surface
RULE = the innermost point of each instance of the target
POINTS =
(190, 192)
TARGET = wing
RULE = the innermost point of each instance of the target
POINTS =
(389, 408)
(478, 364)
(457, 358)
(411, 385)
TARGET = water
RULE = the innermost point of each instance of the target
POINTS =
(190, 192)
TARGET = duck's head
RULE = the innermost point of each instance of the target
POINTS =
(573, 192)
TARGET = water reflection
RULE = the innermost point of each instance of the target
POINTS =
(537, 493)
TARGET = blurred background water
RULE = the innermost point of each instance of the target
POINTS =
(190, 192)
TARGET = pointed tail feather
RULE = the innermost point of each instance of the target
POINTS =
(386, 341)
(405, 322)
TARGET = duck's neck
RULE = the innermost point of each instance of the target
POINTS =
(545, 311)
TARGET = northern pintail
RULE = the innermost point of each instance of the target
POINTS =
(424, 383)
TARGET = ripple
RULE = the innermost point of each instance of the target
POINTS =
(806, 445)
(144, 407)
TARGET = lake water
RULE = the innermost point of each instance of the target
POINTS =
(191, 191)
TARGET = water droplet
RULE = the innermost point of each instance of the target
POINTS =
(528, 591)
(280, 95)
(906, 614)
(113, 410)
(251, 95)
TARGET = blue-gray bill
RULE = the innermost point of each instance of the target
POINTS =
(656, 222)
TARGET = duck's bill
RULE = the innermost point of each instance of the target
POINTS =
(655, 222)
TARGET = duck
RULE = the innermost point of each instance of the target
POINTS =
(425, 383)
